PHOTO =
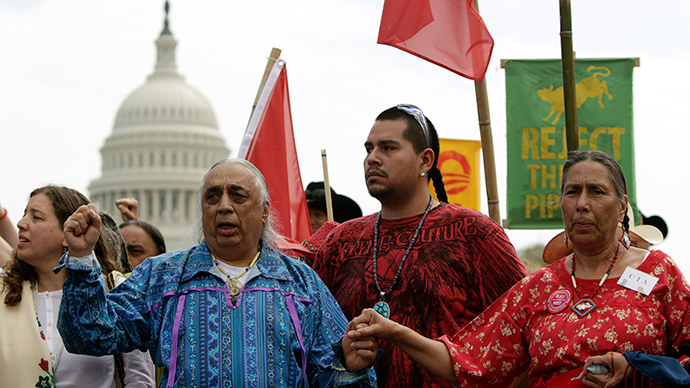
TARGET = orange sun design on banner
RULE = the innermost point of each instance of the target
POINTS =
(459, 165)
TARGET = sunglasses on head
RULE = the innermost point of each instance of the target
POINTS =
(421, 119)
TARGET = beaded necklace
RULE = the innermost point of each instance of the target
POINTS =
(586, 305)
(381, 306)
(234, 284)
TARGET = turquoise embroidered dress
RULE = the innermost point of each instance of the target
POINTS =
(282, 330)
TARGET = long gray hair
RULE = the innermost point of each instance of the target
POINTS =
(268, 233)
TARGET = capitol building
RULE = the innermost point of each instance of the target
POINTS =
(164, 139)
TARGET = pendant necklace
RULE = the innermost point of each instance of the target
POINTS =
(234, 284)
(586, 305)
(381, 306)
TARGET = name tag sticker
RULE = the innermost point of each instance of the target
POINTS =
(638, 281)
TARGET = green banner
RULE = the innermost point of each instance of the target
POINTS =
(536, 131)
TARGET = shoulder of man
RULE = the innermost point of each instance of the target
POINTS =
(355, 226)
(462, 210)
(450, 211)
(296, 270)
(171, 264)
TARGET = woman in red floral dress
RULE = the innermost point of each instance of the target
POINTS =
(606, 297)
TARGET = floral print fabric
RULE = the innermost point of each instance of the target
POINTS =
(522, 325)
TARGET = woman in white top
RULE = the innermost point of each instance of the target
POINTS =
(31, 350)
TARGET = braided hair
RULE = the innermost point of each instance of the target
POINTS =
(414, 133)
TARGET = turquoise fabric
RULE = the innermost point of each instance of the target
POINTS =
(247, 341)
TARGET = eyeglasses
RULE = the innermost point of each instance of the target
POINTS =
(421, 119)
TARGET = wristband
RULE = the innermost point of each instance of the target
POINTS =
(4, 214)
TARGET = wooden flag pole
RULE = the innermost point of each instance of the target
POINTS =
(327, 186)
(275, 54)
(487, 146)
(490, 168)
(487, 149)
(568, 66)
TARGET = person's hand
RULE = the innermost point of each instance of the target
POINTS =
(82, 230)
(129, 208)
(614, 361)
(359, 353)
(375, 325)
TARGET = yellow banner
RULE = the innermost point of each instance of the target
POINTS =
(459, 164)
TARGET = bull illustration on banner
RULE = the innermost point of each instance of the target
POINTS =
(536, 140)
(588, 87)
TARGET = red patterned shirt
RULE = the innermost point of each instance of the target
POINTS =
(535, 321)
(460, 263)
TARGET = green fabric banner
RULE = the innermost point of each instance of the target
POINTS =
(536, 131)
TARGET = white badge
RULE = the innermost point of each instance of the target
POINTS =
(638, 281)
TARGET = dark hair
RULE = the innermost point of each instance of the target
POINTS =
(151, 230)
(414, 133)
(115, 242)
(65, 201)
(615, 174)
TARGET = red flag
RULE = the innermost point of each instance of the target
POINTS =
(269, 143)
(449, 33)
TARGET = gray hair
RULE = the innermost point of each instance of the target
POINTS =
(615, 173)
(269, 235)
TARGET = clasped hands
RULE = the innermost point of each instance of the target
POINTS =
(360, 342)
(360, 345)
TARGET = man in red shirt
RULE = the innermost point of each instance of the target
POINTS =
(426, 264)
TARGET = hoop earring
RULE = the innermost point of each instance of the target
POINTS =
(625, 238)
(565, 238)
(423, 174)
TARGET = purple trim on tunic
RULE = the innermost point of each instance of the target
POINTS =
(173, 346)
(175, 294)
(289, 297)
(298, 329)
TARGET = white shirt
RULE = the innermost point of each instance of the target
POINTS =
(81, 371)
(72, 370)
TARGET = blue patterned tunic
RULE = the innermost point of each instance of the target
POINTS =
(282, 330)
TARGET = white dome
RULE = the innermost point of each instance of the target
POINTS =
(165, 100)
(164, 139)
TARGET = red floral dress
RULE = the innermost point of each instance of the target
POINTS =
(534, 321)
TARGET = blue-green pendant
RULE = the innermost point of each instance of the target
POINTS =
(383, 309)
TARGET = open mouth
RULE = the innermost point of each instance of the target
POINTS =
(227, 227)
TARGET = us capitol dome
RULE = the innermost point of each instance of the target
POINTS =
(164, 139)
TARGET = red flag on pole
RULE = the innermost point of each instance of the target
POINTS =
(269, 143)
(449, 33)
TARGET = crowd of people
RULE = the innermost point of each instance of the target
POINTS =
(419, 294)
